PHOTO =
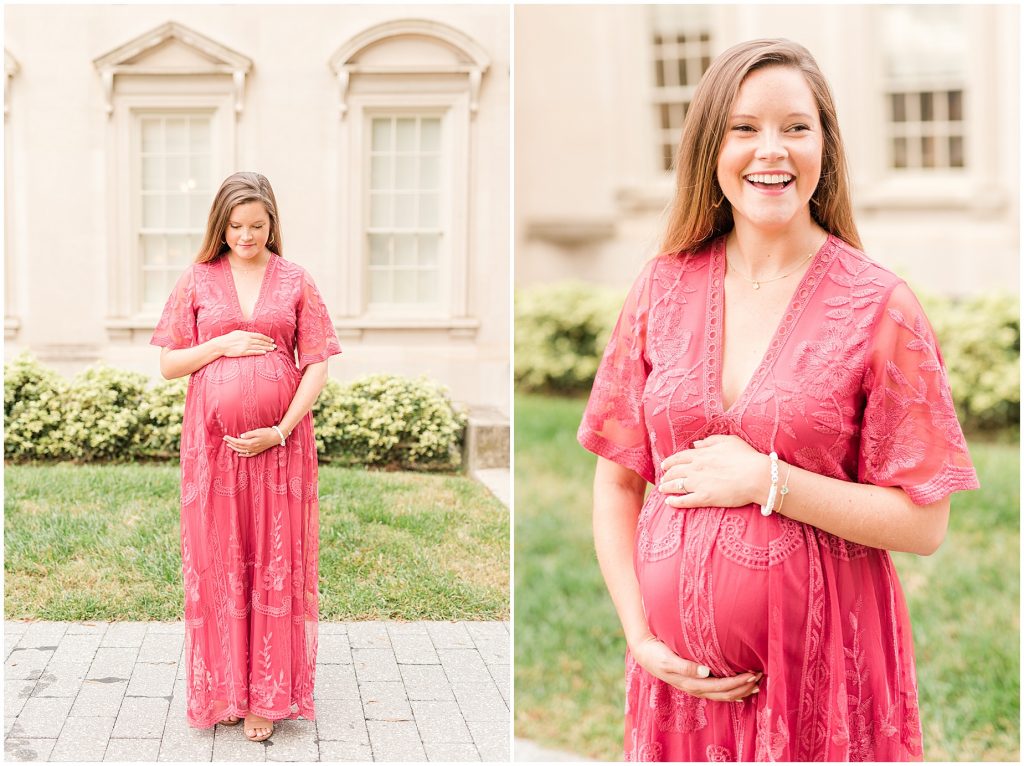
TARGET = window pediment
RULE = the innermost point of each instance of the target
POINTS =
(410, 47)
(172, 49)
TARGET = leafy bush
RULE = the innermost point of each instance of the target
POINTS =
(386, 420)
(33, 410)
(106, 414)
(561, 331)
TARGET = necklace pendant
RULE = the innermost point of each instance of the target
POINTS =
(757, 285)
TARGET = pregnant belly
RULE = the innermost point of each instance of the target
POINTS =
(706, 578)
(244, 393)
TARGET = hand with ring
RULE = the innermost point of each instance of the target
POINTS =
(721, 471)
(252, 443)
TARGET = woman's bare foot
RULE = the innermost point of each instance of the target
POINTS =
(258, 728)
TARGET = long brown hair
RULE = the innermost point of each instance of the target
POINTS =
(236, 190)
(699, 211)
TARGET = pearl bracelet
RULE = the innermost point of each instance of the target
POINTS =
(279, 434)
(766, 509)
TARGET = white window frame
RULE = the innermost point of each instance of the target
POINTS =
(676, 95)
(12, 304)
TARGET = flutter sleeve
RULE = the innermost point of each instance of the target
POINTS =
(910, 435)
(613, 421)
(315, 339)
(177, 325)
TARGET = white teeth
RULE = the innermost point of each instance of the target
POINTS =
(769, 178)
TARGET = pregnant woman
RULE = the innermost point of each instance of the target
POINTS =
(255, 335)
(785, 396)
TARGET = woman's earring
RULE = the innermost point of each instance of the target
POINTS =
(271, 240)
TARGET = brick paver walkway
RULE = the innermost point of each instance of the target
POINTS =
(385, 691)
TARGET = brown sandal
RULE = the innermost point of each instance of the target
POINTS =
(226, 722)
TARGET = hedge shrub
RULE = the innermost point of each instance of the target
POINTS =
(105, 414)
(561, 331)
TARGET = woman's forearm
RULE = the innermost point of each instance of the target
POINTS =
(178, 362)
(313, 379)
(618, 498)
(880, 517)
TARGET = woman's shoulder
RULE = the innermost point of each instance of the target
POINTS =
(290, 269)
(851, 263)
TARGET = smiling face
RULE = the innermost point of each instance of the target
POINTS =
(770, 160)
(248, 230)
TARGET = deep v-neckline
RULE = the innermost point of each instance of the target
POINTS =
(715, 329)
(259, 296)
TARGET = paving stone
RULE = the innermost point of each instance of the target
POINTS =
(88, 628)
(368, 635)
(96, 698)
(230, 744)
(83, 739)
(294, 741)
(152, 680)
(60, 680)
(481, 702)
(40, 634)
(491, 739)
(375, 665)
(76, 649)
(16, 691)
(111, 663)
(136, 750)
(43, 717)
(15, 627)
(141, 718)
(344, 751)
(412, 649)
(171, 628)
(183, 743)
(451, 753)
(500, 674)
(333, 649)
(342, 720)
(441, 722)
(494, 652)
(24, 749)
(407, 629)
(332, 628)
(426, 682)
(463, 666)
(11, 643)
(336, 682)
(449, 635)
(124, 634)
(25, 664)
(486, 631)
(395, 741)
(385, 701)
(160, 647)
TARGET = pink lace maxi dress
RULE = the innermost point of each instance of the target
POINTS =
(249, 526)
(852, 386)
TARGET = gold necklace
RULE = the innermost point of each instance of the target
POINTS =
(758, 282)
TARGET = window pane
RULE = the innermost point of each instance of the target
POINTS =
(380, 210)
(177, 136)
(380, 286)
(154, 291)
(177, 174)
(381, 134)
(428, 249)
(178, 249)
(405, 286)
(956, 105)
(405, 172)
(200, 172)
(405, 211)
(152, 136)
(430, 173)
(379, 250)
(201, 135)
(430, 214)
(405, 134)
(152, 173)
(956, 151)
(380, 172)
(405, 249)
(430, 134)
(177, 211)
(666, 120)
(659, 73)
(899, 107)
(199, 210)
(928, 151)
(153, 250)
(152, 212)
(899, 153)
(927, 107)
(426, 287)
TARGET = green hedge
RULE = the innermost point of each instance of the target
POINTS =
(106, 414)
(561, 331)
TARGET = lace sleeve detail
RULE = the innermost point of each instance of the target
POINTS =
(910, 435)
(613, 423)
(177, 325)
(315, 339)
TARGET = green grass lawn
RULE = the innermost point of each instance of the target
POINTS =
(103, 543)
(568, 644)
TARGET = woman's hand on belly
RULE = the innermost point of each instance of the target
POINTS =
(719, 471)
(252, 443)
(661, 662)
